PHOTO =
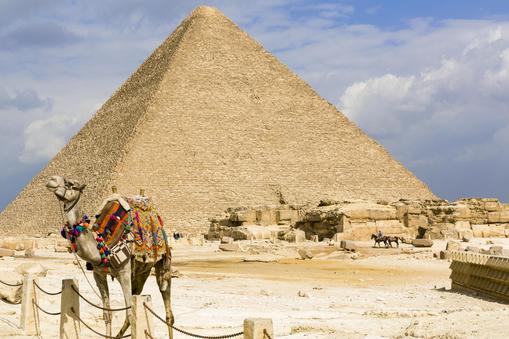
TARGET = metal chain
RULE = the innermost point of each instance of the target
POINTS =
(43, 310)
(91, 329)
(266, 334)
(99, 307)
(12, 285)
(192, 334)
(147, 334)
(44, 291)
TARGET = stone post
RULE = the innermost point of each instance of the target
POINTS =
(254, 328)
(141, 317)
(69, 322)
(29, 320)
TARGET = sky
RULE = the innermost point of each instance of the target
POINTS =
(428, 80)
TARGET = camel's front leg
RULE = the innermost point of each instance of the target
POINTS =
(102, 284)
(124, 278)
(163, 277)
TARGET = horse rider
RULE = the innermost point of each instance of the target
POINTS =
(380, 234)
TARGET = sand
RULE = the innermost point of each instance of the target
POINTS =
(381, 296)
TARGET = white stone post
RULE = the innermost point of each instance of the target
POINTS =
(29, 321)
(255, 328)
(69, 322)
(141, 317)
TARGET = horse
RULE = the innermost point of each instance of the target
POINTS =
(379, 240)
(390, 239)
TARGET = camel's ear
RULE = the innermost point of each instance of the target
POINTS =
(82, 187)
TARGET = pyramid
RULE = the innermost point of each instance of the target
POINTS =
(212, 120)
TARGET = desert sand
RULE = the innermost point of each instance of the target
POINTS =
(382, 293)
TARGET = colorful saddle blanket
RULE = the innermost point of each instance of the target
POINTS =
(150, 240)
(113, 222)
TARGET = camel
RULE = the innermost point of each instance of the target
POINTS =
(131, 275)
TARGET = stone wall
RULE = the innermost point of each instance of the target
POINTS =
(359, 219)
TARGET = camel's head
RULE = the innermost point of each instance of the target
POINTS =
(65, 190)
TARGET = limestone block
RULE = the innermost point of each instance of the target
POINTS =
(226, 240)
(285, 215)
(389, 226)
(453, 246)
(492, 206)
(338, 237)
(344, 224)
(466, 236)
(416, 220)
(401, 211)
(381, 212)
(414, 209)
(229, 247)
(497, 230)
(481, 231)
(239, 234)
(266, 217)
(246, 216)
(295, 236)
(460, 226)
(348, 245)
(305, 253)
(314, 238)
(4, 252)
(498, 217)
(422, 242)
(461, 212)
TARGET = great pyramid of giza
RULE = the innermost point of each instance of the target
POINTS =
(212, 120)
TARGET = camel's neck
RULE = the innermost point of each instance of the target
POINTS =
(86, 243)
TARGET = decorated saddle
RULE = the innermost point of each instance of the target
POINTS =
(150, 240)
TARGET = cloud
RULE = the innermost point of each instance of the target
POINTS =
(23, 100)
(453, 113)
(44, 138)
(33, 35)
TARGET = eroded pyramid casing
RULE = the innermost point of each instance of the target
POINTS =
(209, 121)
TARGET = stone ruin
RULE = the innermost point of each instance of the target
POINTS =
(357, 220)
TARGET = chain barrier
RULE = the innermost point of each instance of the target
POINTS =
(94, 331)
(11, 285)
(188, 333)
(266, 334)
(43, 310)
(46, 292)
(99, 307)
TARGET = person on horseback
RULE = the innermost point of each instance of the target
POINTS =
(380, 234)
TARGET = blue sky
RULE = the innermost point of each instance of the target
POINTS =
(427, 79)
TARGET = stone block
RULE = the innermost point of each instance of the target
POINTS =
(305, 253)
(266, 217)
(498, 217)
(226, 240)
(389, 226)
(466, 236)
(381, 212)
(461, 212)
(453, 246)
(492, 206)
(255, 328)
(348, 245)
(314, 238)
(287, 215)
(416, 220)
(246, 216)
(480, 231)
(460, 226)
(337, 237)
(4, 252)
(229, 247)
(422, 242)
(445, 254)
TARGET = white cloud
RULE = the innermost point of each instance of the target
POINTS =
(44, 138)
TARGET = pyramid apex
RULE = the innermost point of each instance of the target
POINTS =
(205, 11)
